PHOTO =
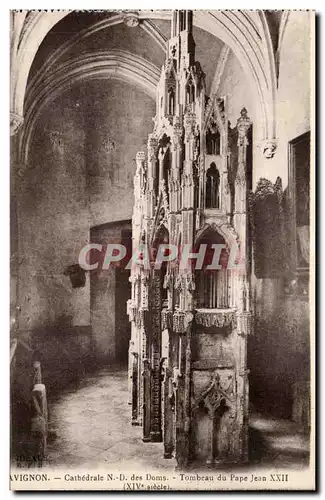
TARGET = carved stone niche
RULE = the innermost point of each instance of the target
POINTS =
(214, 416)
(77, 275)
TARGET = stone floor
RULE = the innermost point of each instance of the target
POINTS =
(90, 428)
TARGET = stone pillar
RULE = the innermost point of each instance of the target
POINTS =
(135, 351)
(139, 177)
(146, 374)
(135, 385)
(188, 195)
(161, 156)
(155, 355)
(151, 198)
(16, 122)
(240, 215)
(16, 172)
(182, 325)
(242, 287)
(39, 420)
(177, 163)
(37, 372)
(168, 394)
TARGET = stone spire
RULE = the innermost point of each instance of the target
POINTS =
(181, 46)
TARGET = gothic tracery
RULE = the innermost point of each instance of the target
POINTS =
(205, 316)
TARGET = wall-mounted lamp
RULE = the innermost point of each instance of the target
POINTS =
(77, 275)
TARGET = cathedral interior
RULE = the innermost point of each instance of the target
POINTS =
(188, 129)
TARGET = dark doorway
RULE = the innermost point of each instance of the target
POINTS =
(109, 292)
(122, 324)
(122, 295)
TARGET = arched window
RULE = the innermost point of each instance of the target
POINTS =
(212, 192)
(190, 93)
(211, 285)
(162, 237)
(171, 101)
(213, 142)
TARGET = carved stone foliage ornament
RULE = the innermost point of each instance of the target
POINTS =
(16, 122)
(219, 319)
(166, 319)
(269, 148)
(177, 135)
(152, 145)
(141, 171)
(181, 321)
(189, 120)
(244, 323)
(131, 19)
(131, 308)
(185, 282)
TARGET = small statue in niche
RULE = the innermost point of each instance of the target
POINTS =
(161, 215)
(213, 136)
(197, 144)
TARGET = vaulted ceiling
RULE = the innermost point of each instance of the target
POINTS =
(83, 32)
(52, 51)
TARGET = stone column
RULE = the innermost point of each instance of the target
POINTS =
(243, 287)
(240, 215)
(183, 327)
(161, 156)
(243, 125)
(175, 200)
(151, 199)
(16, 170)
(155, 355)
(140, 175)
(188, 195)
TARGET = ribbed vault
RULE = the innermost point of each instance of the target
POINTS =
(247, 34)
(104, 64)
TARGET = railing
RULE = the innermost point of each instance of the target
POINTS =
(38, 420)
(39, 415)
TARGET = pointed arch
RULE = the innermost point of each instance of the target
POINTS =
(224, 230)
(212, 190)
(113, 64)
(161, 235)
(211, 281)
(245, 32)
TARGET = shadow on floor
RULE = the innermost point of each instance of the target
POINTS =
(90, 427)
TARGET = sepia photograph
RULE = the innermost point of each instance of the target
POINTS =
(162, 250)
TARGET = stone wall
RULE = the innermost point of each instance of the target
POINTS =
(279, 351)
(79, 175)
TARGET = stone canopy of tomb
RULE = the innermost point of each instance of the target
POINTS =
(190, 326)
